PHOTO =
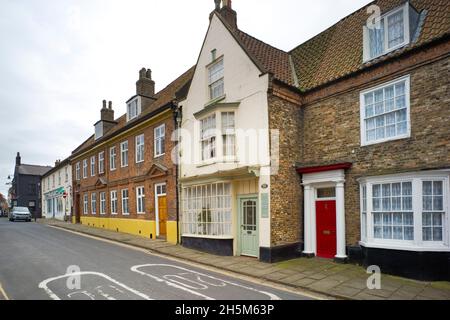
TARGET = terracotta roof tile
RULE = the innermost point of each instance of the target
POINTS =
(338, 51)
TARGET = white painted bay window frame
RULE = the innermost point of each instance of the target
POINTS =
(418, 243)
(217, 197)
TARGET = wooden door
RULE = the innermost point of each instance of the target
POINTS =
(326, 228)
(162, 215)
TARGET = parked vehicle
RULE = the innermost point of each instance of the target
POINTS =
(20, 213)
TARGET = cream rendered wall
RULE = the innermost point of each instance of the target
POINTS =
(47, 187)
(245, 84)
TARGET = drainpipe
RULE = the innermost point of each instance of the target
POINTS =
(177, 113)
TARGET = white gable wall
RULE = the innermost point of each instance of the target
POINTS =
(244, 84)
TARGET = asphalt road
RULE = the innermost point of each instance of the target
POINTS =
(38, 262)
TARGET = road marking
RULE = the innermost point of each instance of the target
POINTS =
(3, 292)
(168, 279)
(257, 281)
(51, 294)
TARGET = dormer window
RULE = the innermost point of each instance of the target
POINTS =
(133, 108)
(394, 30)
(216, 80)
(98, 130)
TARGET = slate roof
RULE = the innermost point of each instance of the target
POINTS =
(33, 170)
(338, 51)
(163, 97)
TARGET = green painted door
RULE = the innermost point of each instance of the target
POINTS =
(248, 208)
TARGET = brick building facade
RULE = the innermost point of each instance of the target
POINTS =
(124, 175)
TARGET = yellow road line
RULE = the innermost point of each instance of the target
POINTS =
(3, 293)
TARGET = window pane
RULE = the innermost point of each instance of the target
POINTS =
(437, 234)
(376, 40)
(395, 29)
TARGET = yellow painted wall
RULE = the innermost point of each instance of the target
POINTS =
(143, 228)
(172, 232)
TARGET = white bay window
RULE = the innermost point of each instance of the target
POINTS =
(208, 137)
(405, 211)
(228, 134)
(207, 210)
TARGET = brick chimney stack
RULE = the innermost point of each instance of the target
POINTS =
(107, 113)
(145, 86)
(18, 159)
(226, 12)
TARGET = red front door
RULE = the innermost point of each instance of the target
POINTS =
(326, 228)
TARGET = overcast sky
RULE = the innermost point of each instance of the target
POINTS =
(60, 59)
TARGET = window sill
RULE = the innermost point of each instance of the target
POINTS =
(208, 237)
(432, 248)
(159, 156)
(367, 144)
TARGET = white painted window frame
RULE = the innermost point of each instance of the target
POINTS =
(94, 203)
(112, 159)
(130, 115)
(187, 213)
(157, 196)
(362, 111)
(114, 202)
(85, 204)
(102, 203)
(85, 169)
(417, 180)
(161, 139)
(138, 145)
(127, 198)
(101, 162)
(124, 161)
(140, 195)
(221, 79)
(406, 24)
(93, 159)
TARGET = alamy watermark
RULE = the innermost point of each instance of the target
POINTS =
(374, 281)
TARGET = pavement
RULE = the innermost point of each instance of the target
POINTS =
(316, 276)
(41, 262)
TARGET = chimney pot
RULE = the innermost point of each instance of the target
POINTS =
(104, 104)
(145, 86)
(110, 105)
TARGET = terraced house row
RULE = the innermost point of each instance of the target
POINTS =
(339, 148)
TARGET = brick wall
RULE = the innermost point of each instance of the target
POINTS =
(331, 130)
(133, 176)
(286, 194)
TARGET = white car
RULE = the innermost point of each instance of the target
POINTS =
(20, 213)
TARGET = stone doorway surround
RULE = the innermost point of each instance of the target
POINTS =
(314, 178)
